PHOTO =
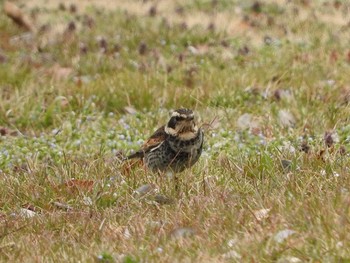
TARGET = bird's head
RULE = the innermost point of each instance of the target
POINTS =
(182, 124)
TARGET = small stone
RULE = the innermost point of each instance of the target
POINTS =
(163, 200)
(26, 213)
(144, 189)
(182, 232)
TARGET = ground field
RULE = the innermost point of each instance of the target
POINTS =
(270, 83)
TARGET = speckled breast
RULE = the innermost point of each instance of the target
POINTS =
(175, 154)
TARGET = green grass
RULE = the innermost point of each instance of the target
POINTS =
(60, 127)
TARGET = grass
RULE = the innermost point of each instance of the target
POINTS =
(272, 184)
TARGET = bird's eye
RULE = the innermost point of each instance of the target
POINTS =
(172, 122)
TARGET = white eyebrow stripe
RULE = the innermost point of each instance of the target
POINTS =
(175, 114)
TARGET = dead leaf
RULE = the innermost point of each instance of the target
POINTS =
(128, 165)
(5, 132)
(286, 118)
(130, 110)
(30, 207)
(330, 138)
(16, 14)
(262, 214)
(78, 185)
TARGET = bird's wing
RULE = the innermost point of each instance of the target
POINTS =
(155, 140)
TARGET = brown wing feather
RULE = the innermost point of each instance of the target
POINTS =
(157, 138)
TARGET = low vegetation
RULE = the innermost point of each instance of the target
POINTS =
(270, 83)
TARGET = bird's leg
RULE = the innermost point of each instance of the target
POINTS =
(159, 179)
(177, 184)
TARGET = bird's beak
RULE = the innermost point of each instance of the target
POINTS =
(190, 122)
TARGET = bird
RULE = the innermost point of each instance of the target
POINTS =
(174, 146)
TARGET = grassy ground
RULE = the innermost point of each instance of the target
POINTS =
(98, 78)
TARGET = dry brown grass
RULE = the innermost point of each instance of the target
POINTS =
(272, 183)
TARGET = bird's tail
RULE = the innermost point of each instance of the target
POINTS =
(138, 154)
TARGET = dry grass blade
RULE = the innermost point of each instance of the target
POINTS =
(16, 14)
(212, 125)
(93, 82)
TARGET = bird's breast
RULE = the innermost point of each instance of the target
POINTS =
(186, 143)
